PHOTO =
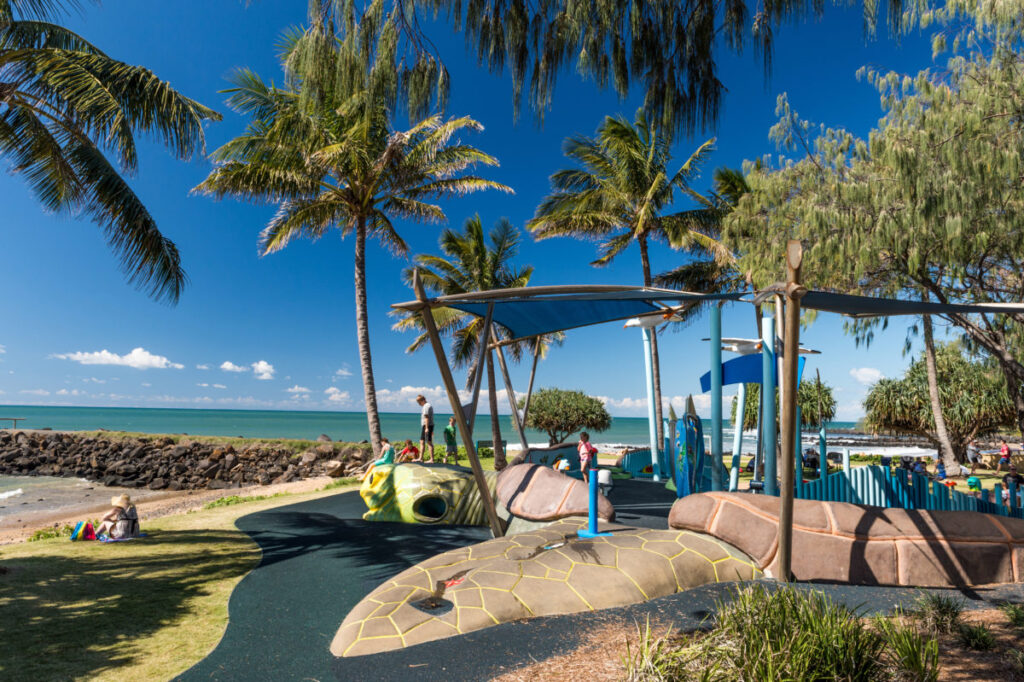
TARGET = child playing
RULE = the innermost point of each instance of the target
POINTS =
(588, 455)
(451, 446)
(410, 453)
(1004, 455)
(387, 453)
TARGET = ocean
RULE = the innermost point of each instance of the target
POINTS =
(340, 426)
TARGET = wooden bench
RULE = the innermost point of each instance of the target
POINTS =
(15, 420)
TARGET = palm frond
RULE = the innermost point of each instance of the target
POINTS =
(303, 217)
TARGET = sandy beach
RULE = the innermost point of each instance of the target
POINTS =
(94, 500)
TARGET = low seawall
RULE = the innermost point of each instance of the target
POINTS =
(174, 463)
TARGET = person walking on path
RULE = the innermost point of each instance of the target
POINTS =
(451, 446)
(973, 456)
(426, 428)
(588, 455)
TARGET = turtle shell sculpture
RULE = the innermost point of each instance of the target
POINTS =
(544, 572)
(419, 493)
(864, 545)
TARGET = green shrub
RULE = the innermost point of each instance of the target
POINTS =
(239, 499)
(910, 655)
(1014, 612)
(52, 532)
(655, 658)
(1016, 658)
(977, 637)
(938, 614)
(482, 453)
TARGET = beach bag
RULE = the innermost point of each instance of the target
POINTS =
(83, 531)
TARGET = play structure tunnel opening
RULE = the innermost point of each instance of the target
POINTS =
(430, 508)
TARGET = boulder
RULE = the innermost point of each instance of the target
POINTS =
(308, 458)
(334, 468)
(864, 545)
(323, 438)
(539, 493)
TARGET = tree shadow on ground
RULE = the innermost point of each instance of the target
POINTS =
(78, 612)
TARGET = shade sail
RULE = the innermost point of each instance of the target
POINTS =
(532, 311)
(869, 306)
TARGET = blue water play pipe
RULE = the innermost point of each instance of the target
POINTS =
(591, 530)
(737, 438)
(716, 396)
(768, 434)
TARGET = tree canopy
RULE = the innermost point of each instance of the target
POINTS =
(814, 397)
(561, 413)
(973, 395)
(927, 207)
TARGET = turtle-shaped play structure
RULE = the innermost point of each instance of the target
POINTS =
(713, 537)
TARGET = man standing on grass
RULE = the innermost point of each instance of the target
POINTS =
(426, 428)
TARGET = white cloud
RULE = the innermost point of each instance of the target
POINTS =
(866, 375)
(3, 349)
(138, 358)
(203, 385)
(263, 370)
(337, 396)
(343, 372)
(73, 391)
(204, 366)
(404, 398)
(229, 366)
(35, 391)
(94, 380)
(219, 386)
(146, 384)
(297, 389)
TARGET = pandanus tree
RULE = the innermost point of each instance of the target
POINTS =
(621, 193)
(323, 148)
(473, 260)
(69, 114)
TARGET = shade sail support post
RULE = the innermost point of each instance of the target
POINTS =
(789, 414)
(768, 434)
(510, 394)
(456, 403)
(716, 397)
(737, 437)
(652, 414)
(479, 376)
(533, 374)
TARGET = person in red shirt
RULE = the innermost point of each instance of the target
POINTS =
(588, 455)
(1004, 455)
(410, 453)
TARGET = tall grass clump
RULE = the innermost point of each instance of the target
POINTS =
(910, 654)
(655, 658)
(977, 637)
(1014, 613)
(938, 614)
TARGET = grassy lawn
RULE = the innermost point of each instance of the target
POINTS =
(140, 610)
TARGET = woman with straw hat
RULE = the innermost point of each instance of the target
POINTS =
(122, 521)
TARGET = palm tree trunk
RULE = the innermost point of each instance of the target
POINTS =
(941, 433)
(363, 334)
(499, 452)
(655, 363)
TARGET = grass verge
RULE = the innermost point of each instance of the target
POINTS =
(140, 610)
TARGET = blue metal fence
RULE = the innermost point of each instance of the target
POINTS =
(881, 487)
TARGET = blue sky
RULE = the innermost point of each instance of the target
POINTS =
(278, 332)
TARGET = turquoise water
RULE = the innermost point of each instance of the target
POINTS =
(343, 426)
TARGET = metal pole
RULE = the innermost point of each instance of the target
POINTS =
(533, 373)
(652, 413)
(511, 395)
(794, 256)
(480, 367)
(716, 397)
(737, 438)
(771, 486)
(453, 398)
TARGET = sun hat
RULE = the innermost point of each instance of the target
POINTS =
(123, 501)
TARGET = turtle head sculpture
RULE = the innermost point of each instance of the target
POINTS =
(419, 493)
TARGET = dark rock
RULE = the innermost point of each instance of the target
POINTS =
(323, 438)
(157, 484)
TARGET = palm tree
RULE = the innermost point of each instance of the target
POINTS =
(329, 158)
(470, 264)
(619, 194)
(64, 107)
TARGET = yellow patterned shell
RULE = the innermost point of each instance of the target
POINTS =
(420, 493)
(540, 573)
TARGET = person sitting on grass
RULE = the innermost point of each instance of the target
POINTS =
(920, 468)
(940, 470)
(410, 453)
(1012, 479)
(1004, 455)
(451, 446)
(122, 521)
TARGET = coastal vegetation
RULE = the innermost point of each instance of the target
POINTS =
(69, 118)
(814, 398)
(620, 191)
(323, 147)
(561, 413)
(972, 393)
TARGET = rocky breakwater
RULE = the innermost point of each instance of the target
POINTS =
(165, 463)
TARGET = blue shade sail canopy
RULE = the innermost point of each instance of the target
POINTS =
(746, 369)
(532, 311)
(869, 306)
